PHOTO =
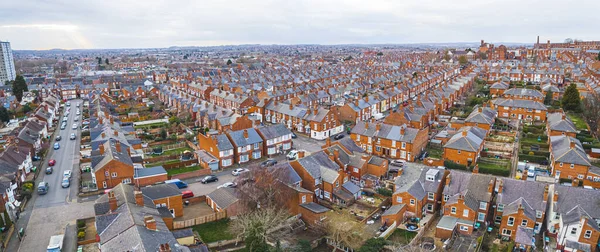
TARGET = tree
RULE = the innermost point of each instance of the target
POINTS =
(99, 60)
(373, 245)
(415, 74)
(257, 226)
(571, 100)
(229, 62)
(548, 99)
(591, 111)
(26, 108)
(463, 60)
(106, 61)
(379, 54)
(568, 40)
(163, 134)
(598, 58)
(4, 116)
(18, 87)
(302, 246)
(266, 188)
(344, 230)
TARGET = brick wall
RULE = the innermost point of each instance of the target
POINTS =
(198, 173)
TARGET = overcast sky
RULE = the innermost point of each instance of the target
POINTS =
(46, 24)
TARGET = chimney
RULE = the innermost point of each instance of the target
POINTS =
(555, 196)
(139, 198)
(300, 154)
(291, 105)
(101, 149)
(164, 248)
(480, 109)
(524, 176)
(520, 209)
(500, 186)
(103, 135)
(366, 125)
(491, 186)
(118, 146)
(246, 133)
(572, 144)
(545, 193)
(336, 154)
(112, 201)
(367, 98)
(476, 169)
(378, 127)
(564, 117)
(402, 130)
(276, 102)
(149, 222)
(464, 133)
(316, 110)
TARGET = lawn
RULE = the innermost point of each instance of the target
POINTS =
(151, 125)
(435, 152)
(402, 236)
(172, 161)
(578, 121)
(180, 170)
(214, 231)
(174, 151)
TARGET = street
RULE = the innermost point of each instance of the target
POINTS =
(49, 214)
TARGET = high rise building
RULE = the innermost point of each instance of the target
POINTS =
(7, 63)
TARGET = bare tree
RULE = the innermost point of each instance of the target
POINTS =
(256, 227)
(591, 111)
(343, 230)
(264, 188)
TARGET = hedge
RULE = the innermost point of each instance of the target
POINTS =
(589, 146)
(494, 170)
(536, 153)
(542, 145)
(532, 158)
(454, 166)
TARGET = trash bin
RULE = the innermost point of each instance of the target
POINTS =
(21, 232)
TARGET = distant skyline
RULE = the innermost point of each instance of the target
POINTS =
(73, 24)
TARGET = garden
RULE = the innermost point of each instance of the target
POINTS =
(214, 231)
(402, 236)
(86, 231)
(534, 144)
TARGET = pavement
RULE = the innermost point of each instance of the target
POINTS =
(55, 212)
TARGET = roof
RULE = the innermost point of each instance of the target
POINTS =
(529, 191)
(449, 222)
(240, 140)
(563, 152)
(559, 122)
(223, 142)
(351, 187)
(223, 197)
(524, 236)
(386, 131)
(572, 197)
(314, 207)
(483, 115)
(393, 210)
(161, 191)
(467, 139)
(524, 92)
(516, 103)
(181, 233)
(274, 131)
(474, 187)
(149, 172)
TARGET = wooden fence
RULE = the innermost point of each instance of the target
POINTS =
(200, 220)
(180, 164)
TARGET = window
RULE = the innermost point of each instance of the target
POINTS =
(271, 150)
(430, 195)
(557, 216)
(114, 174)
(103, 184)
(399, 199)
(511, 221)
(464, 228)
(500, 207)
(560, 164)
(506, 232)
(226, 162)
(429, 207)
(588, 234)
(458, 151)
(337, 183)
(256, 155)
(403, 145)
(480, 217)
(580, 176)
(538, 214)
(466, 213)
(453, 210)
(326, 195)
(412, 201)
(574, 231)
(393, 143)
(378, 148)
(524, 223)
(572, 166)
(303, 199)
(126, 181)
(106, 174)
(446, 197)
(256, 146)
(482, 205)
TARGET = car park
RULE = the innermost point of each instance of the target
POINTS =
(239, 171)
(268, 162)
(56, 146)
(51, 162)
(72, 137)
(43, 188)
(65, 182)
(209, 178)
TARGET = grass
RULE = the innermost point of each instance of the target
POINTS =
(173, 151)
(214, 231)
(435, 152)
(578, 121)
(180, 170)
(172, 161)
(402, 236)
(151, 125)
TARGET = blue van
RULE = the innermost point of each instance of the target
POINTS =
(180, 184)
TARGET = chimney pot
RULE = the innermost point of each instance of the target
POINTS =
(139, 198)
(112, 201)
(464, 133)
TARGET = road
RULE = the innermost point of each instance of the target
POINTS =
(56, 211)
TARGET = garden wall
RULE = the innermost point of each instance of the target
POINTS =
(193, 174)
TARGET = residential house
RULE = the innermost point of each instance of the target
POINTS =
(218, 146)
(421, 196)
(524, 94)
(397, 142)
(364, 169)
(559, 125)
(224, 199)
(497, 89)
(528, 110)
(165, 195)
(568, 160)
(465, 145)
(150, 176)
(247, 145)
(277, 139)
(322, 174)
(482, 117)
(111, 165)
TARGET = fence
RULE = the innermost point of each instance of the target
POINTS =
(166, 147)
(200, 220)
(180, 164)
(193, 174)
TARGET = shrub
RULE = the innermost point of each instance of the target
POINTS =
(498, 171)
(564, 180)
(81, 235)
(532, 158)
(385, 192)
(80, 223)
(454, 166)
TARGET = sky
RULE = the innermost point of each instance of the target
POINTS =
(77, 24)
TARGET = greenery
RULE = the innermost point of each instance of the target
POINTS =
(302, 246)
(402, 236)
(463, 60)
(214, 231)
(81, 235)
(494, 169)
(532, 158)
(229, 62)
(18, 87)
(163, 133)
(384, 191)
(591, 111)
(454, 166)
(180, 170)
(571, 100)
(548, 98)
(373, 245)
(4, 115)
(80, 223)
(26, 108)
(578, 121)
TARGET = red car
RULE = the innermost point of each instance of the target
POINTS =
(51, 162)
(187, 194)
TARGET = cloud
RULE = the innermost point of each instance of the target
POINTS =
(41, 24)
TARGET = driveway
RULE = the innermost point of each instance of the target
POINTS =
(198, 188)
(308, 144)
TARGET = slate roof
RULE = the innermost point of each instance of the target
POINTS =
(274, 131)
(473, 187)
(161, 191)
(314, 207)
(223, 142)
(351, 187)
(556, 122)
(386, 131)
(514, 190)
(150, 171)
(223, 197)
(239, 140)
(393, 210)
(111, 153)
(524, 236)
(485, 116)
(320, 166)
(471, 142)
(579, 246)
(524, 92)
(516, 103)
(570, 198)
(562, 151)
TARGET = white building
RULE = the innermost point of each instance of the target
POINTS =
(7, 63)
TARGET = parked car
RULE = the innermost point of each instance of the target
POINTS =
(65, 182)
(58, 138)
(36, 158)
(209, 178)
(67, 174)
(180, 184)
(292, 155)
(239, 171)
(228, 184)
(338, 136)
(63, 126)
(294, 135)
(43, 188)
(187, 194)
(74, 126)
(72, 137)
(56, 146)
(51, 162)
(76, 119)
(268, 162)
(397, 162)
(423, 155)
(49, 170)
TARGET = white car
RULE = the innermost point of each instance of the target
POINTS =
(74, 126)
(239, 171)
(227, 184)
(72, 137)
(77, 112)
(397, 162)
(67, 174)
